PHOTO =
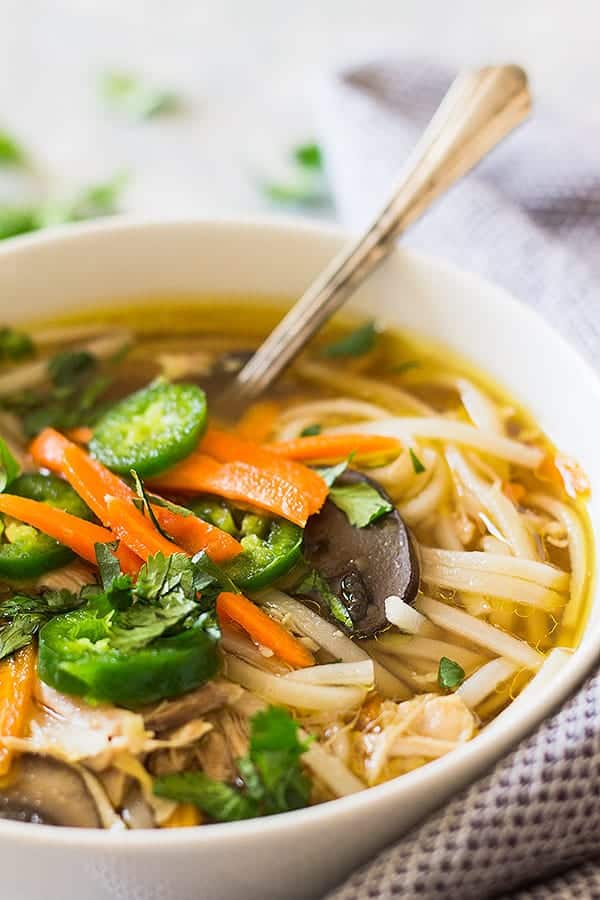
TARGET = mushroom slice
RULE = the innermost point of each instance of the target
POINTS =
(48, 792)
(363, 566)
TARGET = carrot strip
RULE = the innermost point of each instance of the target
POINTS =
(93, 482)
(135, 530)
(81, 435)
(263, 629)
(328, 447)
(236, 481)
(231, 448)
(17, 680)
(257, 422)
(77, 534)
(185, 815)
(48, 450)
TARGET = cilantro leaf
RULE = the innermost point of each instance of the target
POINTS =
(273, 779)
(300, 191)
(450, 674)
(145, 504)
(25, 616)
(308, 155)
(311, 430)
(135, 99)
(209, 574)
(417, 464)
(9, 466)
(68, 366)
(329, 474)
(314, 583)
(15, 345)
(11, 151)
(357, 343)
(361, 502)
(117, 587)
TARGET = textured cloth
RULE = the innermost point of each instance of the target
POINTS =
(528, 219)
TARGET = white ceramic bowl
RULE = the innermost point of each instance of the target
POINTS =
(300, 854)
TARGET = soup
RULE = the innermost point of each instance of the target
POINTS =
(205, 621)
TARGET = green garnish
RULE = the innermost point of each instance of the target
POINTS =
(311, 430)
(144, 503)
(314, 583)
(90, 203)
(15, 345)
(271, 774)
(361, 502)
(450, 674)
(417, 464)
(308, 155)
(9, 466)
(330, 473)
(357, 343)
(25, 616)
(405, 366)
(11, 151)
(134, 98)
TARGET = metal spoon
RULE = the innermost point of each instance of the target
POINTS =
(478, 111)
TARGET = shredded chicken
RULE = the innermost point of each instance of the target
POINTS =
(71, 578)
(172, 713)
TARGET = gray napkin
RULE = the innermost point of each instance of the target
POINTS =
(529, 219)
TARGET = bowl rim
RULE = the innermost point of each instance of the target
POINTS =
(506, 730)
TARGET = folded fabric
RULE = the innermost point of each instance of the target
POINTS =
(528, 219)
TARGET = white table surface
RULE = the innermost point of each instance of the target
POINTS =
(249, 71)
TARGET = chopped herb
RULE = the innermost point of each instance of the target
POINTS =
(208, 574)
(145, 504)
(69, 365)
(271, 774)
(357, 343)
(134, 98)
(406, 366)
(311, 430)
(16, 220)
(314, 583)
(172, 507)
(308, 155)
(15, 345)
(26, 615)
(11, 151)
(417, 464)
(302, 191)
(9, 466)
(361, 503)
(117, 587)
(330, 473)
(450, 674)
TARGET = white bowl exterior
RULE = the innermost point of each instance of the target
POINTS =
(301, 854)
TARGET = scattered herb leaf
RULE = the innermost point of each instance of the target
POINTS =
(25, 616)
(131, 96)
(11, 151)
(308, 155)
(450, 674)
(357, 343)
(9, 466)
(406, 366)
(314, 583)
(272, 776)
(302, 191)
(15, 345)
(361, 503)
(311, 430)
(330, 473)
(146, 506)
(416, 462)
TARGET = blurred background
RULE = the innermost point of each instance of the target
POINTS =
(198, 106)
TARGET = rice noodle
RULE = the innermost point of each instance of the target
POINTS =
(331, 770)
(291, 421)
(499, 507)
(500, 564)
(415, 745)
(482, 412)
(577, 552)
(394, 399)
(485, 680)
(233, 641)
(31, 374)
(329, 637)
(493, 639)
(418, 508)
(429, 649)
(403, 616)
(399, 476)
(490, 584)
(300, 695)
(442, 429)
(354, 673)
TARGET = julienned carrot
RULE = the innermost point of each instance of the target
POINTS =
(237, 481)
(228, 447)
(263, 629)
(331, 447)
(185, 815)
(17, 680)
(257, 422)
(48, 449)
(193, 535)
(135, 530)
(81, 435)
(77, 534)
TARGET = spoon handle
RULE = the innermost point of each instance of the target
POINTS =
(480, 109)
